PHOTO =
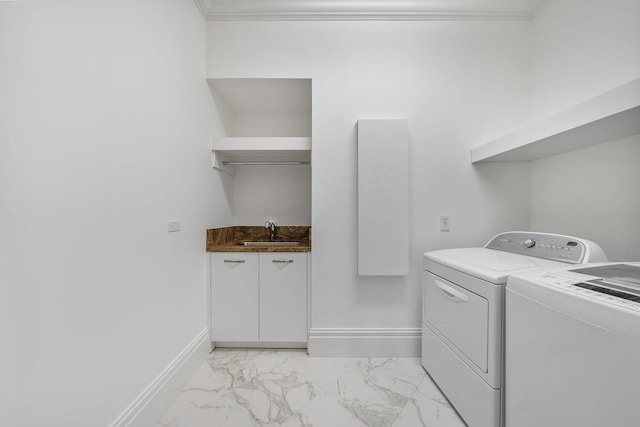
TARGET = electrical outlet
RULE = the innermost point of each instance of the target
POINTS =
(174, 226)
(445, 223)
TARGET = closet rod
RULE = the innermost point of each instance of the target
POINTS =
(275, 162)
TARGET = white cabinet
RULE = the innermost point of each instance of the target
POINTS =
(283, 296)
(259, 297)
(234, 296)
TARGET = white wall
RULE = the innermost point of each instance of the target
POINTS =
(580, 49)
(105, 119)
(272, 193)
(602, 204)
(272, 124)
(458, 83)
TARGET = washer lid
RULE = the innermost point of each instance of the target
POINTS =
(488, 264)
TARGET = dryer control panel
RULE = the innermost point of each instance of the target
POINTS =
(555, 247)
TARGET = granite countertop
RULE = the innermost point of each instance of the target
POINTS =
(227, 239)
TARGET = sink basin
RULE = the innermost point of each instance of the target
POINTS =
(268, 243)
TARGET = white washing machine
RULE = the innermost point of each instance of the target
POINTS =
(573, 347)
(463, 314)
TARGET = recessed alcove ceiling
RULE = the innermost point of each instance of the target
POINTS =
(229, 10)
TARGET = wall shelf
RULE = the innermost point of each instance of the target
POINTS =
(612, 115)
(259, 149)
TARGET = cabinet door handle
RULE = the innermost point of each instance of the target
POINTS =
(233, 261)
(282, 261)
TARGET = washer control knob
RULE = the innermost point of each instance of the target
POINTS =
(529, 243)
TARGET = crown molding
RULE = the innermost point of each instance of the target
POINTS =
(369, 10)
(202, 7)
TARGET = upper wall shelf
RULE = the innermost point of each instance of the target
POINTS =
(256, 150)
(612, 115)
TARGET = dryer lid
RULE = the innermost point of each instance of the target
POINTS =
(488, 264)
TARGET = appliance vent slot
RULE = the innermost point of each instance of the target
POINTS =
(608, 291)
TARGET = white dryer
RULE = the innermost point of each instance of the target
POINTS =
(463, 314)
(573, 347)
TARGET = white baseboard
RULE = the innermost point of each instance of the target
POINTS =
(365, 342)
(260, 344)
(155, 399)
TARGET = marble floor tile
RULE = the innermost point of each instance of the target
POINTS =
(287, 388)
(428, 408)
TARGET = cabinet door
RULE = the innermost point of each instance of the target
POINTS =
(283, 297)
(234, 296)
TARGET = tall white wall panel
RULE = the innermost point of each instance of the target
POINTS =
(383, 197)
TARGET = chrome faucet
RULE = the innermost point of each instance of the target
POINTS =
(271, 226)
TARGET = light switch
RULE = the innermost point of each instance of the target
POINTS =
(174, 226)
